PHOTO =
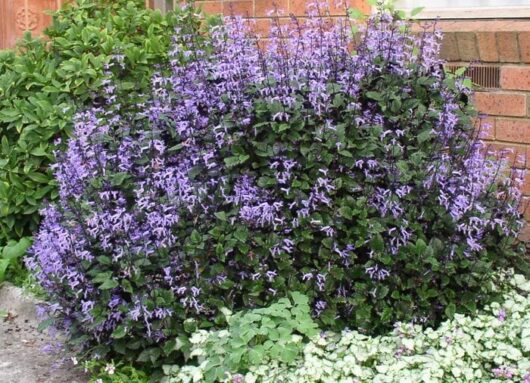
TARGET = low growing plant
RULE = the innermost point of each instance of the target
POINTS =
(355, 179)
(493, 346)
(275, 333)
(102, 371)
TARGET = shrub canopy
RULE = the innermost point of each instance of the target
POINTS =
(45, 82)
(356, 179)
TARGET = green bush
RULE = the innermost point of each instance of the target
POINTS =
(45, 82)
(103, 371)
(494, 346)
(274, 333)
(10, 255)
(251, 175)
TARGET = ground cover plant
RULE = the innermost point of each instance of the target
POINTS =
(45, 80)
(356, 179)
(493, 346)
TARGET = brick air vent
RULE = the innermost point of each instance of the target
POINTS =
(484, 76)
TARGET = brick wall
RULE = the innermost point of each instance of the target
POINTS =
(505, 45)
(260, 8)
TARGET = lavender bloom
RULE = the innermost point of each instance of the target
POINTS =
(377, 272)
(251, 170)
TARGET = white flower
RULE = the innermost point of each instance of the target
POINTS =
(74, 360)
(110, 368)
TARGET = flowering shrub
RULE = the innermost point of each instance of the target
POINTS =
(491, 347)
(45, 81)
(354, 179)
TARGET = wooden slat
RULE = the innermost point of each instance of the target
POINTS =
(18, 16)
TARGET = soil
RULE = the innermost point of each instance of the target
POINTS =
(22, 355)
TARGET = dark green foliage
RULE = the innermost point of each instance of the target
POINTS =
(10, 255)
(251, 175)
(47, 80)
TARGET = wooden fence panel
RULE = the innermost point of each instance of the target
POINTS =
(18, 16)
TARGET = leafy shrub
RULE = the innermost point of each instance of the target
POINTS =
(104, 372)
(274, 333)
(43, 85)
(494, 346)
(10, 255)
(354, 179)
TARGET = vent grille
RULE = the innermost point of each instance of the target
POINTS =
(484, 76)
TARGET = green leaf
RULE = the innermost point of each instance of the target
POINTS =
(118, 178)
(221, 215)
(127, 286)
(288, 353)
(377, 96)
(45, 324)
(119, 332)
(108, 284)
(425, 135)
(356, 14)
(416, 11)
(241, 234)
(236, 160)
(4, 264)
(299, 298)
(378, 244)
(450, 310)
(39, 177)
(16, 249)
(346, 212)
(104, 260)
(460, 71)
(255, 357)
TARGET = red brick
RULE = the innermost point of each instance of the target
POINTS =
(240, 7)
(508, 47)
(262, 27)
(524, 235)
(487, 46)
(513, 130)
(487, 128)
(526, 191)
(211, 7)
(467, 46)
(524, 46)
(340, 7)
(516, 154)
(524, 209)
(298, 7)
(264, 7)
(449, 48)
(501, 104)
(515, 77)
